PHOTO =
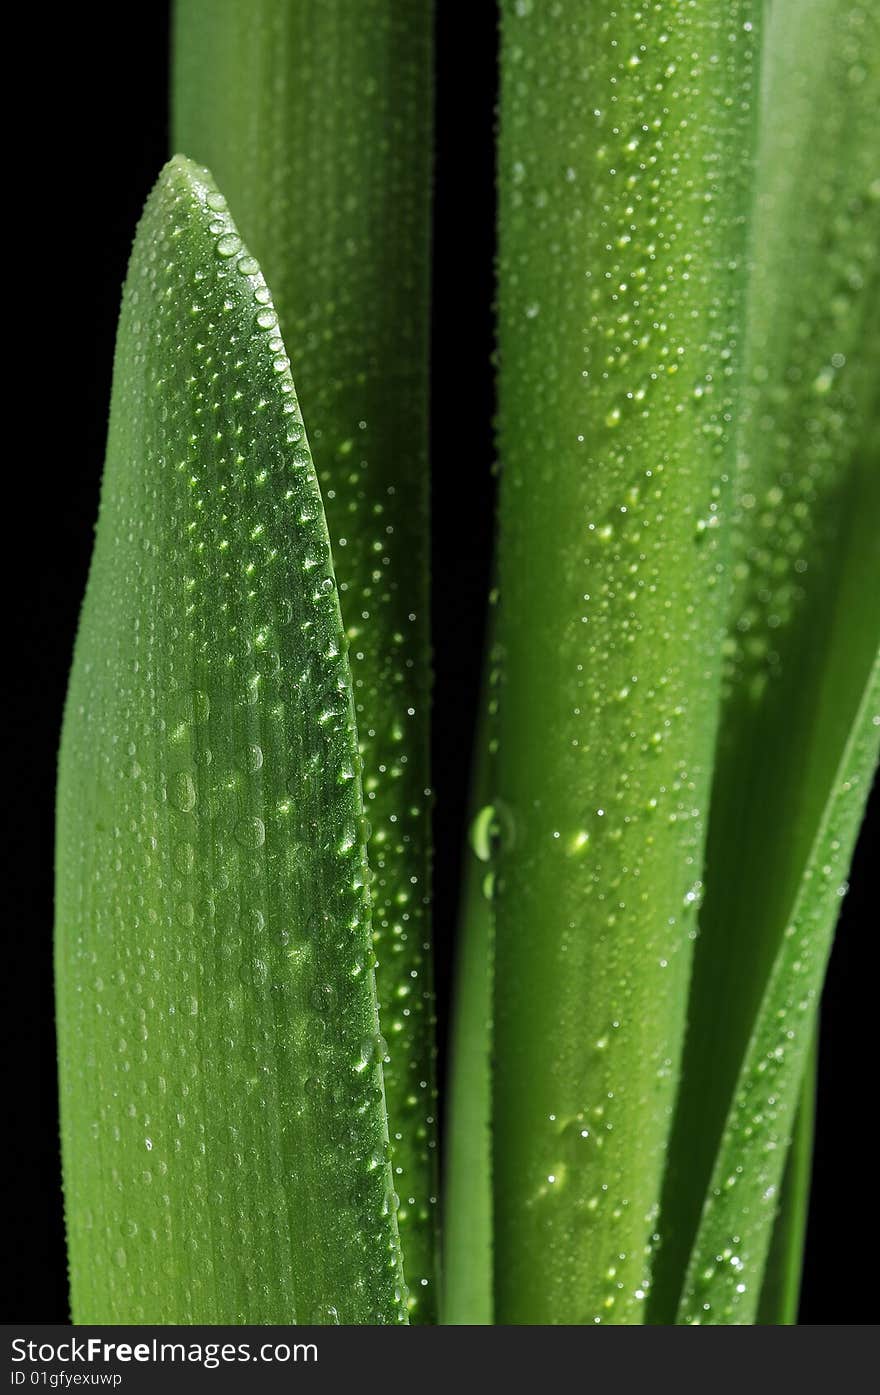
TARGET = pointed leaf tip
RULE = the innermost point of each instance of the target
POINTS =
(225, 1142)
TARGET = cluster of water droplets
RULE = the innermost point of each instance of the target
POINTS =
(619, 346)
(213, 892)
(799, 648)
(344, 243)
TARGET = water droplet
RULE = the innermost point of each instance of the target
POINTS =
(228, 245)
(483, 830)
(373, 1050)
(250, 833)
(183, 791)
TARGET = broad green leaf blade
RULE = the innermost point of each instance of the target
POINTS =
(781, 1287)
(626, 152)
(223, 1123)
(726, 1269)
(467, 1186)
(316, 119)
(805, 617)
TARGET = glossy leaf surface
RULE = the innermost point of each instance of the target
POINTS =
(315, 117)
(804, 622)
(223, 1121)
(626, 149)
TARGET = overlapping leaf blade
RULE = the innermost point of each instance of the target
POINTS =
(467, 1190)
(805, 617)
(726, 1270)
(625, 163)
(316, 119)
(781, 1284)
(223, 1121)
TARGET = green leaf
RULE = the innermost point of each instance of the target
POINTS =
(805, 614)
(316, 119)
(626, 153)
(781, 1288)
(467, 1187)
(726, 1269)
(224, 1133)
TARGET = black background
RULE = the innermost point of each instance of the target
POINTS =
(100, 85)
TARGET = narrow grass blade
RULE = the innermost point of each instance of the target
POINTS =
(726, 1269)
(467, 1187)
(805, 616)
(781, 1289)
(626, 150)
(316, 119)
(223, 1122)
